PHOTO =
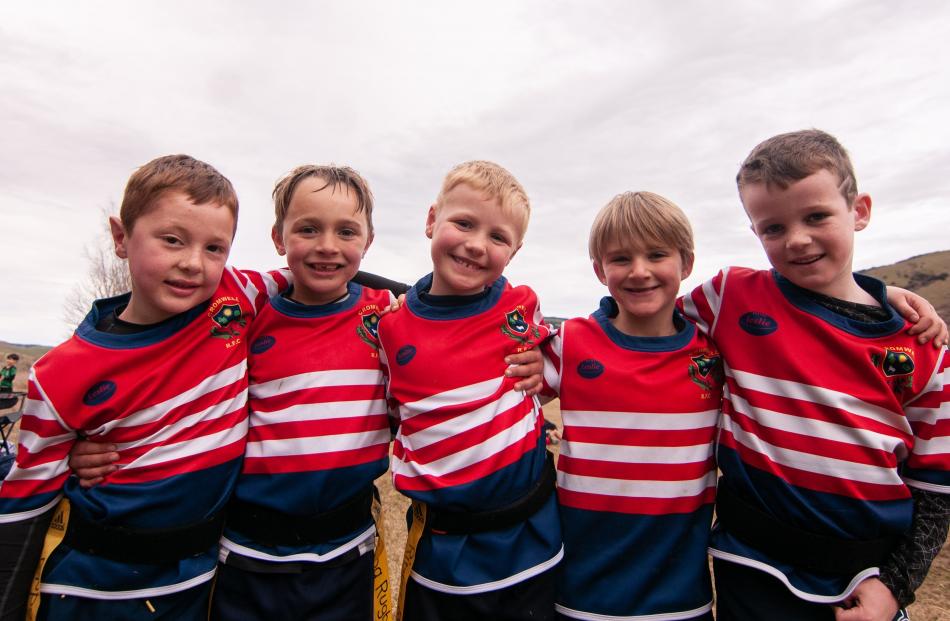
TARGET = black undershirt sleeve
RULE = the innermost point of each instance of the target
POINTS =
(907, 565)
(378, 282)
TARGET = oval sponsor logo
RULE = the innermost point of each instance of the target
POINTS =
(590, 368)
(758, 324)
(405, 354)
(262, 344)
(100, 393)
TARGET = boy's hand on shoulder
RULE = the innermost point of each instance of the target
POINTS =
(395, 305)
(870, 601)
(928, 325)
(528, 365)
(92, 461)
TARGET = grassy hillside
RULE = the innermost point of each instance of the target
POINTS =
(927, 275)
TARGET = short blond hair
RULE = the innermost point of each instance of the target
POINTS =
(333, 176)
(494, 181)
(640, 219)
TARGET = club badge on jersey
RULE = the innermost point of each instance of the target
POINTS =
(897, 365)
(226, 314)
(705, 370)
(516, 327)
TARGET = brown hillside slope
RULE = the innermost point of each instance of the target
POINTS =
(927, 275)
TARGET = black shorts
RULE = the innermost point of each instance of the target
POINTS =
(330, 591)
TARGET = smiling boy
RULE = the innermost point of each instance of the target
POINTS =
(640, 391)
(160, 373)
(834, 453)
(300, 533)
(469, 450)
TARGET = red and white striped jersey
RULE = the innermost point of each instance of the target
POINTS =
(636, 473)
(173, 399)
(319, 426)
(467, 440)
(826, 420)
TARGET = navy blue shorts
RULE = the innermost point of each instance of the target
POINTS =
(532, 600)
(746, 594)
(188, 605)
(332, 591)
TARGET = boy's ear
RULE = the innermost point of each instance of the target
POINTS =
(119, 237)
(369, 240)
(278, 240)
(514, 253)
(599, 270)
(430, 221)
(862, 211)
(687, 266)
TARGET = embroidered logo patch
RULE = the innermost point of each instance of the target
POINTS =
(262, 344)
(227, 316)
(99, 393)
(897, 364)
(516, 327)
(705, 370)
(758, 324)
(590, 368)
(367, 330)
(405, 354)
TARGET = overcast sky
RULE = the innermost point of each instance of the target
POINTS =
(579, 100)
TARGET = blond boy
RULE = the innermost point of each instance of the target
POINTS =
(640, 391)
(469, 451)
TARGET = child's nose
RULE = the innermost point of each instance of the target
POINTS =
(190, 259)
(798, 237)
(638, 268)
(476, 244)
(325, 243)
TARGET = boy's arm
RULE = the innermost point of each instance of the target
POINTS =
(928, 325)
(528, 365)
(378, 282)
(92, 461)
(907, 566)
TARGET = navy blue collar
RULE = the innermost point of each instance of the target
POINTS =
(608, 309)
(799, 298)
(284, 305)
(445, 309)
(160, 331)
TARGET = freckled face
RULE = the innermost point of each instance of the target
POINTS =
(473, 239)
(324, 238)
(177, 251)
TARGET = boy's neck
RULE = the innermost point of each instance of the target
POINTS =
(846, 291)
(658, 325)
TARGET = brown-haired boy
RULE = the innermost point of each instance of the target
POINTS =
(470, 451)
(161, 373)
(834, 443)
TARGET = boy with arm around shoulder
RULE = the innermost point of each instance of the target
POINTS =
(161, 373)
(300, 534)
(469, 450)
(835, 472)
(640, 391)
